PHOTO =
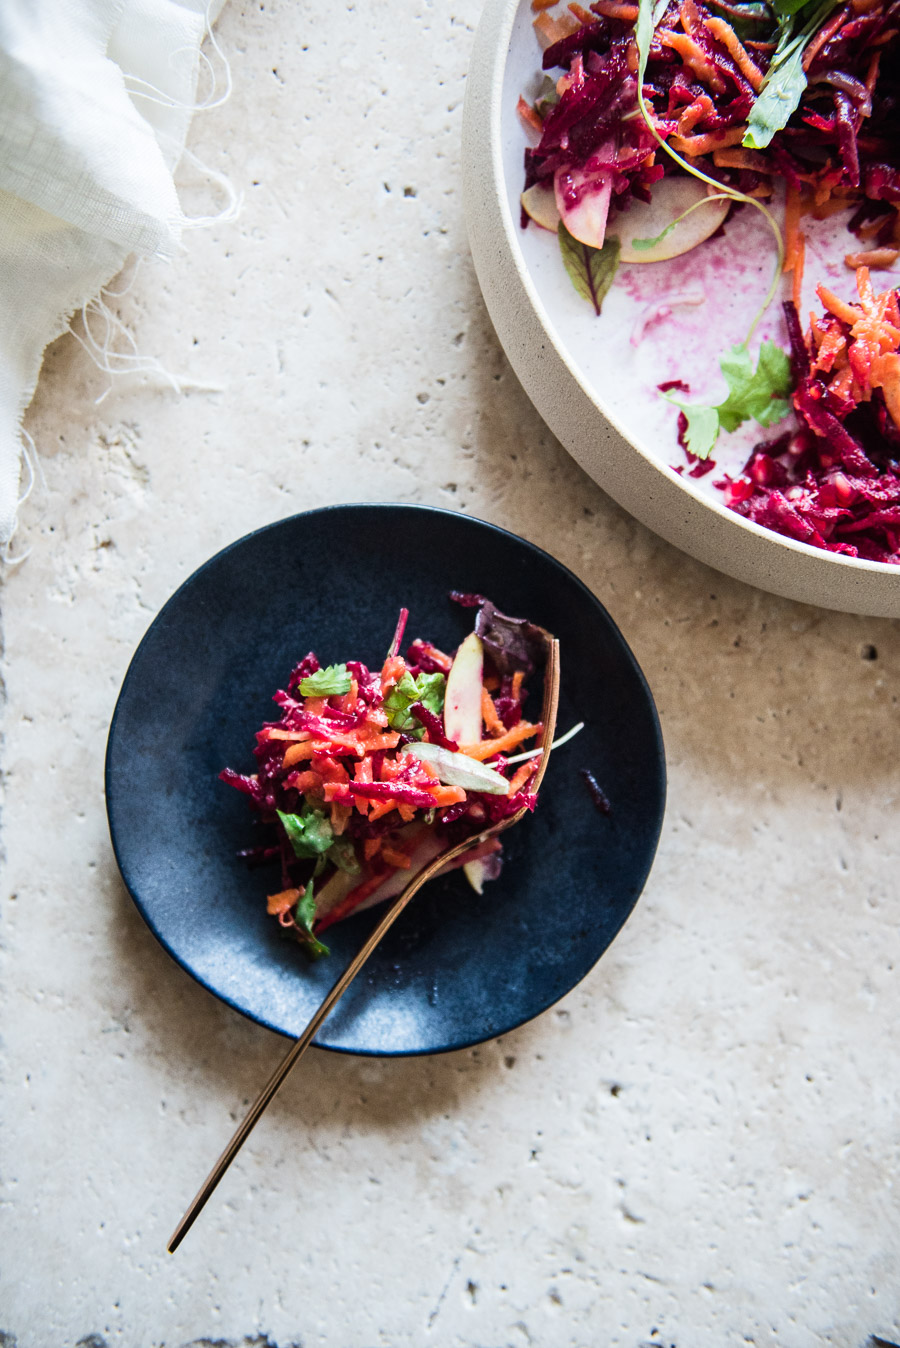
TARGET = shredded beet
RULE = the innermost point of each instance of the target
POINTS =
(598, 795)
(834, 482)
(706, 63)
(345, 809)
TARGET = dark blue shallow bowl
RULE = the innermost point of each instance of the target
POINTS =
(456, 969)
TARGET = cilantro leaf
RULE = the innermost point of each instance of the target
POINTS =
(591, 270)
(760, 395)
(428, 689)
(328, 682)
(304, 916)
(309, 833)
(702, 428)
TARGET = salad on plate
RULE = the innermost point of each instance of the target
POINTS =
(654, 124)
(370, 774)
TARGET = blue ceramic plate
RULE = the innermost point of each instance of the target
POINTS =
(456, 969)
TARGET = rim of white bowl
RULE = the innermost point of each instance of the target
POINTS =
(660, 498)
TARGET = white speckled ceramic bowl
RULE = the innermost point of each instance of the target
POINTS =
(593, 387)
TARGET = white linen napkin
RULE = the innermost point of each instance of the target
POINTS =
(95, 101)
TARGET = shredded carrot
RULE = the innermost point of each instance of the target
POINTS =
(701, 107)
(517, 680)
(276, 733)
(297, 752)
(833, 343)
(825, 34)
(829, 206)
(529, 116)
(374, 742)
(885, 374)
(380, 808)
(281, 902)
(740, 158)
(581, 14)
(705, 144)
(550, 29)
(847, 313)
(348, 701)
(489, 714)
(371, 847)
(799, 263)
(691, 18)
(611, 9)
(448, 795)
(738, 53)
(399, 860)
(538, 5)
(879, 258)
(792, 213)
(487, 748)
(842, 383)
(694, 57)
(407, 812)
(350, 744)
(522, 775)
(306, 782)
(392, 671)
(873, 227)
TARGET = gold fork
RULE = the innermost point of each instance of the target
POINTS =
(299, 1047)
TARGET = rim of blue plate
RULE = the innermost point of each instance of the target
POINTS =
(136, 885)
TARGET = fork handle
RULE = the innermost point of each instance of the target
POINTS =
(296, 1051)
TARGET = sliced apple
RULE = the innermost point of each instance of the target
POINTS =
(539, 204)
(462, 700)
(671, 198)
(584, 217)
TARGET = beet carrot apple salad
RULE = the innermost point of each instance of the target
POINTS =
(654, 124)
(370, 774)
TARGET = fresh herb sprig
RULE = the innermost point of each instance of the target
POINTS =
(760, 395)
(783, 86)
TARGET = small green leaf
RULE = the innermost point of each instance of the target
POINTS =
(328, 682)
(429, 689)
(785, 81)
(779, 98)
(702, 430)
(591, 270)
(305, 916)
(760, 395)
(308, 832)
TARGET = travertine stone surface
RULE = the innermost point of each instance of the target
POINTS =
(699, 1146)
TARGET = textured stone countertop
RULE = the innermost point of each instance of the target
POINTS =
(698, 1147)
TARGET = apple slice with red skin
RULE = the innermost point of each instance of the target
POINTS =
(582, 200)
